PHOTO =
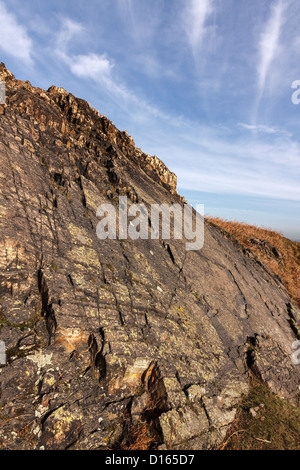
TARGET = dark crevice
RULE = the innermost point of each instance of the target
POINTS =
(168, 248)
(100, 364)
(93, 347)
(58, 178)
(102, 336)
(121, 318)
(49, 413)
(177, 377)
(47, 309)
(50, 321)
(43, 289)
(292, 320)
(70, 280)
(250, 356)
(205, 411)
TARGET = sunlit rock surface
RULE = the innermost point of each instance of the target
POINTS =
(102, 335)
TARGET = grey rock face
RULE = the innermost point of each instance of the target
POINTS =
(104, 334)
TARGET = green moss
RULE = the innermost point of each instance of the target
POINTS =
(274, 426)
(26, 324)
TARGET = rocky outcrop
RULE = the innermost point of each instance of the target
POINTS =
(103, 335)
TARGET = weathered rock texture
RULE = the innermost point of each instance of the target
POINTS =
(102, 335)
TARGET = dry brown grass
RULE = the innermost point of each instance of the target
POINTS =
(280, 254)
(140, 437)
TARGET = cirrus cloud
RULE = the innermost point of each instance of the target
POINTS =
(195, 17)
(14, 39)
(269, 46)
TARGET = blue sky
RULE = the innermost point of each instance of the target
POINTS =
(206, 85)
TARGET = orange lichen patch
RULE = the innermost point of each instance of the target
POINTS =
(115, 385)
(72, 339)
(133, 376)
(45, 403)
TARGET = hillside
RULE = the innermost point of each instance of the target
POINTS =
(280, 254)
(108, 340)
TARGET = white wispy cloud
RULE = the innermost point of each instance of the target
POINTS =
(14, 38)
(142, 20)
(99, 68)
(243, 168)
(264, 164)
(260, 128)
(70, 28)
(268, 45)
(195, 16)
(92, 66)
(211, 161)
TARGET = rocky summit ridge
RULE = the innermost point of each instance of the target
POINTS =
(105, 336)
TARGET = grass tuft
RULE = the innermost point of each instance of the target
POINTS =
(264, 422)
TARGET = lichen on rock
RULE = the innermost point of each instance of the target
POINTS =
(106, 336)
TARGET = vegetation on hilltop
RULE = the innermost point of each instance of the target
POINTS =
(264, 421)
